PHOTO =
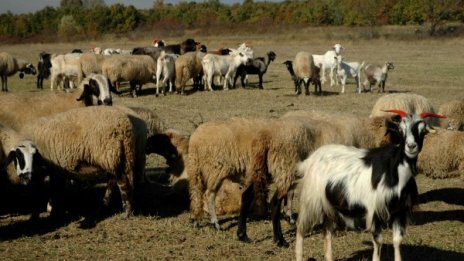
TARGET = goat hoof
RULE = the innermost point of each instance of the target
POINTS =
(282, 243)
(243, 238)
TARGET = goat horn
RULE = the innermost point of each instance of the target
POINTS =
(430, 114)
(399, 112)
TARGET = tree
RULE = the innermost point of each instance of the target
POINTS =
(437, 12)
(92, 3)
(71, 3)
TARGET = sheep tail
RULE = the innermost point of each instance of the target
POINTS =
(196, 185)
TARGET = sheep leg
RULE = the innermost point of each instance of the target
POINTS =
(3, 83)
(6, 82)
(247, 198)
(377, 241)
(212, 209)
(276, 204)
(109, 191)
(260, 81)
(126, 195)
(288, 206)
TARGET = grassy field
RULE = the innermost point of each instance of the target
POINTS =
(430, 67)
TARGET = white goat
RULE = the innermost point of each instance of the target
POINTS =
(223, 65)
(328, 62)
(366, 189)
(348, 69)
(166, 66)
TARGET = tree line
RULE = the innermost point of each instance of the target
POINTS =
(93, 18)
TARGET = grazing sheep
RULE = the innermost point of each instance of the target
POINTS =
(188, 66)
(364, 189)
(376, 75)
(443, 154)
(10, 65)
(408, 102)
(326, 61)
(223, 65)
(454, 111)
(137, 70)
(257, 66)
(305, 72)
(245, 151)
(93, 142)
(348, 69)
(166, 66)
(155, 124)
(19, 109)
(43, 68)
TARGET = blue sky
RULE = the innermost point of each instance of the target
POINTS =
(28, 6)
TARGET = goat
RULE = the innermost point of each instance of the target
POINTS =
(377, 75)
(365, 189)
(326, 61)
(258, 66)
(349, 69)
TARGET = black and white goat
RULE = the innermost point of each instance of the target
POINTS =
(364, 189)
(258, 67)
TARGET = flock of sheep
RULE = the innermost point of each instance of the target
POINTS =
(366, 181)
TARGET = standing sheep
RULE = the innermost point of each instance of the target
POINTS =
(305, 72)
(10, 65)
(166, 66)
(376, 75)
(257, 66)
(188, 66)
(454, 111)
(93, 142)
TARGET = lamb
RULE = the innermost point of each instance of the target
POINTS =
(345, 70)
(223, 66)
(454, 111)
(14, 113)
(21, 160)
(326, 61)
(258, 66)
(166, 66)
(9, 65)
(246, 151)
(366, 189)
(442, 155)
(91, 142)
(65, 67)
(305, 72)
(408, 102)
(376, 75)
(43, 68)
(137, 70)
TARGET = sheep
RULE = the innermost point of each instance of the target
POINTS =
(43, 68)
(442, 155)
(9, 65)
(257, 66)
(165, 66)
(21, 161)
(91, 63)
(408, 102)
(14, 113)
(454, 111)
(305, 72)
(90, 142)
(65, 67)
(326, 61)
(246, 150)
(348, 69)
(376, 75)
(366, 189)
(139, 70)
(188, 66)
(223, 66)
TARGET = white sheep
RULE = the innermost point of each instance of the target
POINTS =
(223, 65)
(454, 111)
(166, 66)
(10, 65)
(19, 109)
(364, 189)
(326, 61)
(137, 70)
(91, 143)
(345, 70)
(376, 75)
(65, 68)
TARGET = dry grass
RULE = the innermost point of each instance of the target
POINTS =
(432, 68)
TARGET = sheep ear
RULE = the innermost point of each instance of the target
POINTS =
(113, 88)
(11, 156)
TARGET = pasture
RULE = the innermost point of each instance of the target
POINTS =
(433, 68)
